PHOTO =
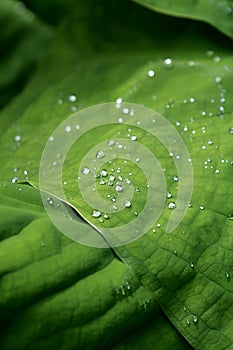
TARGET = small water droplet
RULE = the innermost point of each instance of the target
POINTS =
(227, 275)
(192, 100)
(106, 216)
(231, 130)
(151, 73)
(133, 138)
(217, 59)
(72, 98)
(137, 160)
(195, 319)
(169, 195)
(68, 128)
(119, 188)
(96, 213)
(50, 201)
(85, 171)
(17, 138)
(120, 120)
(104, 173)
(111, 143)
(168, 63)
(111, 177)
(217, 171)
(201, 207)
(172, 205)
(14, 179)
(185, 308)
(188, 322)
(210, 53)
(125, 110)
(127, 285)
(191, 264)
(42, 244)
(25, 172)
(127, 203)
(51, 138)
(175, 178)
(217, 80)
(100, 154)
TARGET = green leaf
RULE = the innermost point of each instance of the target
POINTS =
(218, 13)
(189, 270)
(24, 41)
(55, 292)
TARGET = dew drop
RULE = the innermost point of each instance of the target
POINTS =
(188, 322)
(201, 207)
(17, 138)
(96, 213)
(51, 138)
(217, 171)
(14, 179)
(72, 98)
(168, 63)
(111, 177)
(227, 275)
(119, 188)
(85, 171)
(175, 178)
(231, 131)
(169, 195)
(172, 205)
(77, 127)
(120, 120)
(50, 201)
(217, 80)
(125, 110)
(133, 138)
(104, 173)
(68, 128)
(100, 154)
(195, 319)
(151, 73)
(127, 203)
(111, 143)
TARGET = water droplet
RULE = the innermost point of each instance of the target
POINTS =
(185, 308)
(77, 127)
(17, 138)
(169, 195)
(104, 173)
(111, 143)
(14, 179)
(217, 171)
(210, 142)
(111, 177)
(151, 73)
(106, 216)
(210, 53)
(72, 98)
(60, 101)
(119, 188)
(125, 110)
(137, 189)
(175, 178)
(188, 322)
(133, 138)
(168, 63)
(217, 59)
(68, 128)
(115, 207)
(191, 264)
(192, 100)
(202, 207)
(203, 147)
(217, 80)
(120, 120)
(178, 123)
(128, 181)
(127, 203)
(51, 138)
(195, 319)
(50, 201)
(172, 205)
(119, 100)
(227, 275)
(137, 160)
(231, 130)
(100, 154)
(85, 171)
(127, 285)
(96, 213)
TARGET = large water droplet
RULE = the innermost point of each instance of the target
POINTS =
(151, 73)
